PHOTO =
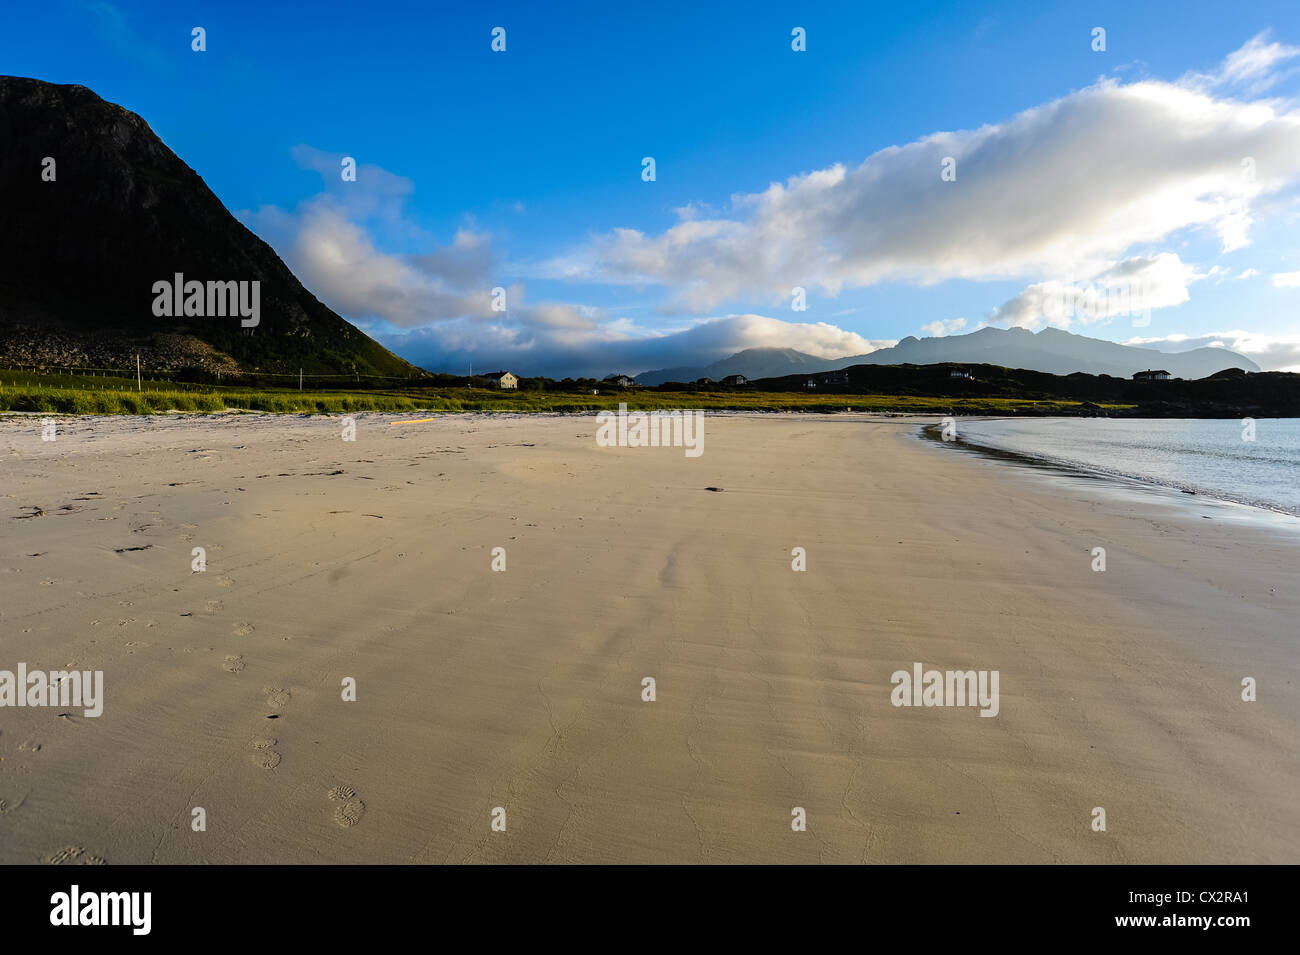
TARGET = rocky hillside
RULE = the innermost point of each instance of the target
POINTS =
(79, 255)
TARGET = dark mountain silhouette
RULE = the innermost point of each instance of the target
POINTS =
(1231, 393)
(1050, 350)
(79, 255)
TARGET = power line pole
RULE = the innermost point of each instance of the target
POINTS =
(138, 385)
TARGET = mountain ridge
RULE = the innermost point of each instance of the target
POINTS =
(1051, 350)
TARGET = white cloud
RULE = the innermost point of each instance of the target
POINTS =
(944, 327)
(329, 243)
(1286, 279)
(1130, 288)
(1059, 191)
(1270, 352)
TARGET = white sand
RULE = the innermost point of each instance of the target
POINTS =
(522, 689)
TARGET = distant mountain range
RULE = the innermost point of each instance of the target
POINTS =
(95, 211)
(752, 363)
(1050, 350)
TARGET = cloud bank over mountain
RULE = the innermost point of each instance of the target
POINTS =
(631, 352)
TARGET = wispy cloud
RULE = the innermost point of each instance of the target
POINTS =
(1252, 68)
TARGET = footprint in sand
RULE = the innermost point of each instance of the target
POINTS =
(276, 698)
(74, 855)
(233, 664)
(243, 629)
(350, 813)
(212, 606)
(263, 755)
(225, 581)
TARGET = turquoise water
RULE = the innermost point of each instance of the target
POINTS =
(1208, 457)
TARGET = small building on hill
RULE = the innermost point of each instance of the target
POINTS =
(961, 373)
(1149, 375)
(735, 380)
(622, 381)
(503, 379)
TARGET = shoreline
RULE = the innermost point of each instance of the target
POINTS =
(1166, 492)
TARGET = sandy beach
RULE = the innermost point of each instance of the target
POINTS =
(522, 689)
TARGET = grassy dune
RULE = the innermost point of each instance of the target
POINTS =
(75, 394)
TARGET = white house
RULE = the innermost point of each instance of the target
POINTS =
(1149, 375)
(505, 380)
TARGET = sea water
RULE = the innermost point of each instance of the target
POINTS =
(1251, 461)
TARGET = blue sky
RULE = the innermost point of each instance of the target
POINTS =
(523, 169)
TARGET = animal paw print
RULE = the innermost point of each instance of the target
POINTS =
(234, 663)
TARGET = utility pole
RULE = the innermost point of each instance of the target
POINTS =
(300, 379)
(138, 385)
